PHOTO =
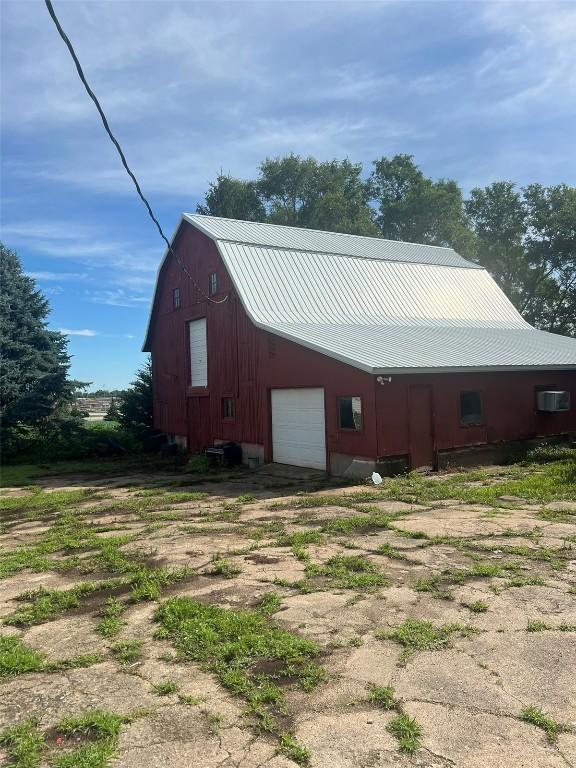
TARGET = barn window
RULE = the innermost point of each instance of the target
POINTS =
(227, 408)
(198, 353)
(213, 283)
(176, 298)
(471, 408)
(350, 412)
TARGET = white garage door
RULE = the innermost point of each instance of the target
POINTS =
(298, 431)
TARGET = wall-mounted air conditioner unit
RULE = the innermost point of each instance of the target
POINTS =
(553, 401)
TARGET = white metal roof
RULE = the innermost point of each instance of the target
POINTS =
(379, 305)
(317, 241)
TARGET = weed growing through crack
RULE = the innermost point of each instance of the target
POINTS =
(407, 731)
(293, 749)
(396, 554)
(189, 701)
(100, 730)
(23, 744)
(245, 650)
(415, 635)
(348, 572)
(478, 606)
(97, 730)
(110, 624)
(537, 717)
(383, 696)
(127, 651)
(270, 602)
(298, 541)
(16, 658)
(535, 625)
(165, 687)
(223, 567)
(46, 604)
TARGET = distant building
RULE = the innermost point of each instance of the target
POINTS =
(345, 353)
(96, 407)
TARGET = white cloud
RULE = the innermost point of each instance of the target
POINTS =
(56, 276)
(81, 332)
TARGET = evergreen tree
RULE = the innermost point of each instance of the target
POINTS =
(136, 402)
(112, 414)
(35, 391)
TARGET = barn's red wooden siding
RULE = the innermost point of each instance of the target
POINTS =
(245, 362)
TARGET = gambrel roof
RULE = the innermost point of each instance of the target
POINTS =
(379, 305)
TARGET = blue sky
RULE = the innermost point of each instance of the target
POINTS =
(476, 91)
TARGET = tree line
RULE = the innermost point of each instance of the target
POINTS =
(524, 236)
(38, 415)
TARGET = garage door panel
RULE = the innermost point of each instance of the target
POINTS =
(298, 427)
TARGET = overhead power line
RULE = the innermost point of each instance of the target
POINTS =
(114, 141)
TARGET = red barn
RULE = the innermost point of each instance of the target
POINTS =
(345, 353)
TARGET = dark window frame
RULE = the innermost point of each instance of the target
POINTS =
(355, 429)
(471, 419)
(213, 283)
(224, 402)
(176, 300)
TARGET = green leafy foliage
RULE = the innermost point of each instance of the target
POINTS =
(524, 237)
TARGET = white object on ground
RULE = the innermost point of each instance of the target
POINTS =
(376, 478)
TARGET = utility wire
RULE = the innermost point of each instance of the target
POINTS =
(114, 141)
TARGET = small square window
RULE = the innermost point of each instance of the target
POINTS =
(350, 412)
(471, 408)
(176, 298)
(227, 408)
(213, 283)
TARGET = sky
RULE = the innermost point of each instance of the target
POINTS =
(476, 91)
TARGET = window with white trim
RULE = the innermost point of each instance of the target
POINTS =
(198, 353)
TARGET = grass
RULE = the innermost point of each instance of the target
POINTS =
(537, 717)
(535, 625)
(348, 572)
(127, 651)
(165, 687)
(416, 635)
(298, 542)
(23, 744)
(293, 749)
(245, 650)
(46, 604)
(100, 730)
(40, 502)
(395, 554)
(111, 624)
(383, 696)
(223, 567)
(16, 658)
(407, 731)
(478, 606)
(97, 730)
(270, 602)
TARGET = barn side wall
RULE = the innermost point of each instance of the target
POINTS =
(509, 405)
